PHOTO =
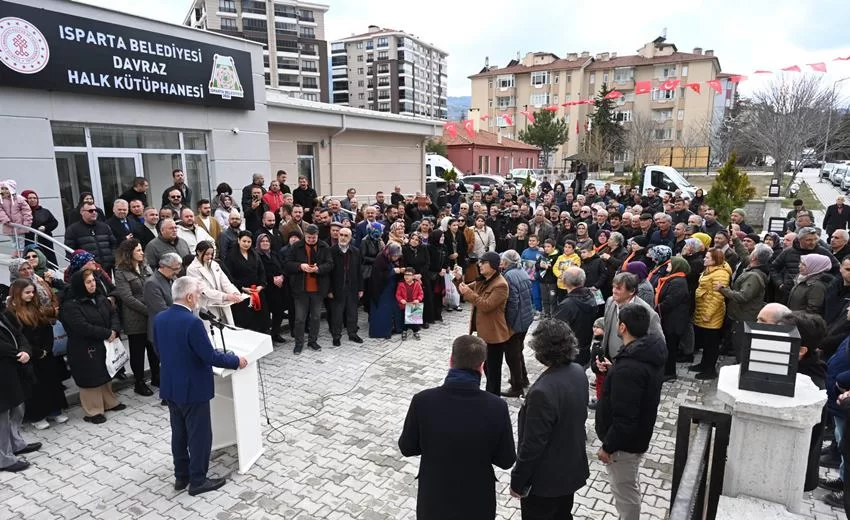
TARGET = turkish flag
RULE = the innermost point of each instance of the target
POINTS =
(485, 117)
(737, 79)
(670, 84)
(451, 129)
(818, 67)
(508, 119)
(715, 84)
(695, 87)
(614, 94)
(760, 71)
(528, 115)
(568, 104)
(469, 126)
(792, 68)
(551, 108)
(643, 87)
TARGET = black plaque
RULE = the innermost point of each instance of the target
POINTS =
(47, 50)
(770, 357)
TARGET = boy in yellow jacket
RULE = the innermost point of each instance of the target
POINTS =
(568, 258)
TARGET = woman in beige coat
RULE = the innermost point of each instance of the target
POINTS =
(218, 292)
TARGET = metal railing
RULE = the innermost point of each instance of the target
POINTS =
(699, 463)
(14, 244)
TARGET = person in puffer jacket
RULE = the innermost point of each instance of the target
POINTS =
(14, 210)
(710, 312)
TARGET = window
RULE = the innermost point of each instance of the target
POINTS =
(309, 83)
(498, 164)
(624, 75)
(556, 77)
(306, 161)
(383, 42)
(360, 83)
(665, 71)
(288, 80)
(253, 6)
(663, 134)
(383, 68)
(227, 6)
(307, 32)
(336, 61)
(483, 164)
(663, 95)
(592, 79)
(287, 46)
(681, 115)
(287, 63)
(490, 103)
(684, 70)
(360, 58)
(623, 116)
(384, 107)
(678, 135)
(383, 55)
(539, 99)
(286, 28)
(306, 15)
(500, 122)
(359, 45)
(309, 49)
(504, 102)
(360, 70)
(310, 96)
(505, 81)
(490, 83)
(605, 77)
(659, 116)
(251, 24)
(539, 78)
(569, 77)
(228, 24)
(309, 66)
(370, 44)
(555, 99)
(286, 11)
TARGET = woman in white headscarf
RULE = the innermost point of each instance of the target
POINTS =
(14, 210)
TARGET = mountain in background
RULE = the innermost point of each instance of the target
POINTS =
(457, 107)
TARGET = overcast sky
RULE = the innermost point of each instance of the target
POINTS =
(746, 35)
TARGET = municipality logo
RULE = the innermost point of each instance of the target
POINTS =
(22, 46)
(224, 80)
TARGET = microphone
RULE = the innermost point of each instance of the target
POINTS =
(204, 314)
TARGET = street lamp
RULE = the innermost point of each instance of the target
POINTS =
(828, 123)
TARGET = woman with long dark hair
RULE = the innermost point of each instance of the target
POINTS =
(131, 272)
(437, 265)
(273, 291)
(247, 272)
(47, 397)
(218, 291)
(697, 201)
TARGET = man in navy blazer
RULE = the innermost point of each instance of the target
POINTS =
(186, 384)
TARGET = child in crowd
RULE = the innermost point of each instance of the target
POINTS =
(548, 281)
(410, 291)
(568, 259)
(596, 354)
(529, 261)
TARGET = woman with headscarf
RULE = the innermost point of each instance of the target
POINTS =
(810, 288)
(86, 197)
(370, 247)
(637, 252)
(84, 260)
(385, 316)
(90, 320)
(710, 313)
(396, 233)
(416, 255)
(273, 284)
(602, 240)
(644, 291)
(37, 260)
(14, 210)
(672, 302)
(581, 232)
(437, 266)
(22, 268)
(661, 256)
(697, 201)
(42, 220)
(247, 272)
(222, 212)
(565, 230)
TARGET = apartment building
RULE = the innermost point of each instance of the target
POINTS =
(679, 119)
(293, 32)
(390, 71)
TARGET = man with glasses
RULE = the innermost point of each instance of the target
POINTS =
(174, 204)
(180, 185)
(157, 296)
(166, 242)
(93, 236)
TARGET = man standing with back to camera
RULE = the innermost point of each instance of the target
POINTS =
(186, 378)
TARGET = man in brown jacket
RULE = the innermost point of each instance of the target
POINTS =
(488, 296)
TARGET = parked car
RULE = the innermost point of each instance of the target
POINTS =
(518, 175)
(844, 172)
(485, 181)
(836, 175)
(827, 170)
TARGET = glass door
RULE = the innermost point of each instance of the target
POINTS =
(114, 174)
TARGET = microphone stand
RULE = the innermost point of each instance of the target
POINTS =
(217, 324)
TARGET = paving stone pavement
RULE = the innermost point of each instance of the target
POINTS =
(331, 452)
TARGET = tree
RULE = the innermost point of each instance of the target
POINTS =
(603, 120)
(692, 139)
(639, 140)
(595, 150)
(547, 132)
(731, 189)
(436, 146)
(787, 116)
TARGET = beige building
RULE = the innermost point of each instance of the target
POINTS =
(390, 71)
(676, 121)
(293, 32)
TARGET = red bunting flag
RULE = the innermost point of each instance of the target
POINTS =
(760, 71)
(643, 87)
(614, 94)
(818, 67)
(847, 58)
(568, 104)
(508, 119)
(715, 84)
(469, 126)
(792, 68)
(670, 84)
(451, 129)
(737, 79)
(551, 108)
(485, 117)
(528, 115)
(696, 87)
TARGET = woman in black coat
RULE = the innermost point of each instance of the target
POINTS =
(370, 247)
(47, 399)
(247, 273)
(273, 292)
(437, 267)
(90, 319)
(44, 221)
(418, 257)
(673, 303)
(15, 380)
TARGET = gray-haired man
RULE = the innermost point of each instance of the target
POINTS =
(519, 314)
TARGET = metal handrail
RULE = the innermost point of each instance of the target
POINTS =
(42, 234)
(688, 493)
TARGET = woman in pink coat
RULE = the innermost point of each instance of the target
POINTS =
(13, 209)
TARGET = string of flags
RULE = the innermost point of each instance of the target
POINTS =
(641, 88)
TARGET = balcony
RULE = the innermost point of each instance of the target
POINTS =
(309, 52)
(288, 83)
(306, 17)
(340, 98)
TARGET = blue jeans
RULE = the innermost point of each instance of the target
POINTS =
(839, 437)
(191, 441)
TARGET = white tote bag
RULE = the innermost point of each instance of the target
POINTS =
(116, 356)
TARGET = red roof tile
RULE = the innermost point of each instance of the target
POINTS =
(561, 64)
(483, 138)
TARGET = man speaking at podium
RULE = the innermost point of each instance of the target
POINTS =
(187, 357)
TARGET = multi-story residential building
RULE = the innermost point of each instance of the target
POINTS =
(390, 71)
(293, 31)
(543, 79)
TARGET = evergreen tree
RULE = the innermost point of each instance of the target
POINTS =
(548, 133)
(436, 146)
(731, 189)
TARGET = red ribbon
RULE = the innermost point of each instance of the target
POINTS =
(256, 303)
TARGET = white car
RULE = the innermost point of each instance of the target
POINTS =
(836, 176)
(483, 180)
(843, 171)
(518, 175)
(827, 169)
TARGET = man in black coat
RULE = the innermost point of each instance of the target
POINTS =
(626, 412)
(14, 389)
(839, 243)
(179, 184)
(305, 196)
(837, 216)
(138, 191)
(119, 222)
(89, 234)
(460, 431)
(552, 457)
(308, 267)
(257, 181)
(346, 287)
(578, 310)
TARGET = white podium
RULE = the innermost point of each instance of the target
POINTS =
(235, 410)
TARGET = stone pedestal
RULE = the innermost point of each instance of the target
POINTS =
(748, 507)
(769, 440)
(772, 208)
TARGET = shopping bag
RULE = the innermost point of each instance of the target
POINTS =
(60, 339)
(452, 296)
(116, 356)
(413, 313)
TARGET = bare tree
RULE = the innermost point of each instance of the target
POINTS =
(596, 150)
(639, 140)
(694, 137)
(787, 116)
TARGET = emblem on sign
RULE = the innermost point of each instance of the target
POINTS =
(22, 46)
(224, 80)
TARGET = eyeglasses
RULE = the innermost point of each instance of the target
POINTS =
(30, 257)
(90, 210)
(175, 197)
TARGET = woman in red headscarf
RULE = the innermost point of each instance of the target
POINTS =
(44, 221)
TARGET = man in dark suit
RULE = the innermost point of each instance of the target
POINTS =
(837, 216)
(119, 223)
(346, 287)
(552, 459)
(187, 385)
(460, 431)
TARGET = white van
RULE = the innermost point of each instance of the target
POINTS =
(666, 179)
(436, 166)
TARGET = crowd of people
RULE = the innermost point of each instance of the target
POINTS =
(276, 259)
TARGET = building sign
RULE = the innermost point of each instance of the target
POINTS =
(54, 51)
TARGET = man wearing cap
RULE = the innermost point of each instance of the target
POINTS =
(739, 216)
(489, 295)
(786, 266)
(308, 265)
(798, 207)
(837, 216)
